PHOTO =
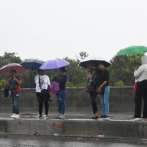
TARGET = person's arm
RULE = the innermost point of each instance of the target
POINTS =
(19, 80)
(33, 80)
(49, 90)
(6, 83)
(87, 75)
(105, 82)
(138, 71)
(48, 82)
(93, 73)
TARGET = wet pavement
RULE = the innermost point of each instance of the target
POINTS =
(72, 115)
(51, 141)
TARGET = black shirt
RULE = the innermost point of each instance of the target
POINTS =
(103, 76)
(62, 80)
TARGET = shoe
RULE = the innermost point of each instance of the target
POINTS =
(61, 117)
(39, 116)
(57, 116)
(12, 115)
(103, 117)
(17, 116)
(95, 117)
(135, 119)
(44, 116)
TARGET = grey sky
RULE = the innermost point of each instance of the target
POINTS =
(48, 29)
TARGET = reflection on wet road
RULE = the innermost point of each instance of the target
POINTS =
(49, 141)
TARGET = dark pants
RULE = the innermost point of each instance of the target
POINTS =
(46, 103)
(93, 102)
(141, 92)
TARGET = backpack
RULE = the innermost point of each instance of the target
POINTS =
(6, 91)
(12, 84)
(55, 86)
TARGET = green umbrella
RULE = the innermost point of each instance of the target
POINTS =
(132, 50)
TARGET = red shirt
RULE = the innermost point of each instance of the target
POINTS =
(17, 89)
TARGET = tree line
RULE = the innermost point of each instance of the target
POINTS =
(121, 70)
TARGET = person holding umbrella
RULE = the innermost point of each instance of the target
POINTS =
(14, 82)
(42, 83)
(92, 79)
(60, 96)
(141, 91)
(61, 80)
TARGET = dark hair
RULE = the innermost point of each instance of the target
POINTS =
(38, 70)
(13, 70)
(102, 64)
(63, 69)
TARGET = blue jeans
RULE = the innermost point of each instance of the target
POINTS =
(14, 98)
(105, 101)
(61, 101)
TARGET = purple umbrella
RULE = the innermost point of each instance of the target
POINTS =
(52, 64)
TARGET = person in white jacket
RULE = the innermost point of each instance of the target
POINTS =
(141, 91)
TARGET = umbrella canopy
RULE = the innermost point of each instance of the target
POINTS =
(132, 50)
(95, 60)
(52, 64)
(32, 64)
(13, 66)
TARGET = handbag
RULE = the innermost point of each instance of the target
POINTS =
(55, 86)
(135, 86)
(12, 84)
(6, 91)
(102, 90)
(44, 93)
(90, 88)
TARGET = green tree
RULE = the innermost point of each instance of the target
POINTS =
(122, 69)
(2, 82)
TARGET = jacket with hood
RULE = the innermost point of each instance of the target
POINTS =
(141, 73)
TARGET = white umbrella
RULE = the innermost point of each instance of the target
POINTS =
(96, 60)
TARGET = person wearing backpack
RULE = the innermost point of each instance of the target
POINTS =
(92, 80)
(42, 83)
(13, 83)
(60, 96)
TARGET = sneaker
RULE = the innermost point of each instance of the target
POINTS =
(17, 116)
(12, 115)
(38, 116)
(44, 116)
(135, 119)
(104, 117)
(57, 116)
(61, 117)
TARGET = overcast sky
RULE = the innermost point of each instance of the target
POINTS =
(48, 29)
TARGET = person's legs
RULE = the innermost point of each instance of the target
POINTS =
(138, 100)
(46, 103)
(16, 101)
(102, 103)
(62, 95)
(40, 101)
(12, 102)
(59, 104)
(145, 99)
(106, 100)
(93, 102)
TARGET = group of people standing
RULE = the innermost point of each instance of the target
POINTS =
(42, 82)
(98, 77)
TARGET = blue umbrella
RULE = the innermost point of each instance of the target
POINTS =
(32, 64)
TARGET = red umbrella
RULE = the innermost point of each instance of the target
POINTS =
(13, 66)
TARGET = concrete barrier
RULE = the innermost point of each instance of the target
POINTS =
(121, 100)
(125, 129)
